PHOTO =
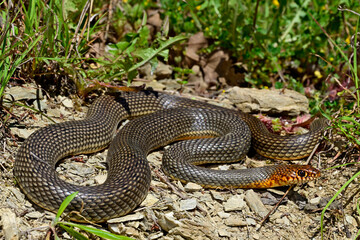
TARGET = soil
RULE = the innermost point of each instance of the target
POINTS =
(174, 210)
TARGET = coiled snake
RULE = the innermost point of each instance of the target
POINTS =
(168, 119)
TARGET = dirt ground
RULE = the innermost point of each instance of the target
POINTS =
(173, 210)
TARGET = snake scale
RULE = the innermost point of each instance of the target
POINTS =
(217, 135)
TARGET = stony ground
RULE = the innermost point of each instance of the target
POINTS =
(173, 210)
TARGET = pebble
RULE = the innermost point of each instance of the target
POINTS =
(34, 215)
(130, 217)
(192, 187)
(66, 102)
(217, 196)
(315, 201)
(21, 132)
(188, 204)
(224, 232)
(114, 228)
(234, 203)
(235, 221)
(156, 235)
(224, 214)
(149, 201)
(351, 220)
(19, 195)
(168, 221)
(9, 225)
(255, 204)
(250, 221)
(27, 92)
(100, 178)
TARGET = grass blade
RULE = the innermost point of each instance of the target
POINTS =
(97, 232)
(64, 204)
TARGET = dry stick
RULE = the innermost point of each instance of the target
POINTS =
(276, 206)
(312, 154)
(173, 188)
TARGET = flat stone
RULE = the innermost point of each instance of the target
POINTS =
(223, 214)
(34, 215)
(163, 71)
(25, 92)
(66, 102)
(19, 195)
(253, 201)
(276, 101)
(351, 220)
(224, 232)
(22, 132)
(114, 228)
(217, 196)
(168, 222)
(315, 201)
(149, 201)
(235, 221)
(234, 203)
(100, 178)
(192, 187)
(131, 217)
(9, 225)
(156, 235)
(188, 204)
(250, 221)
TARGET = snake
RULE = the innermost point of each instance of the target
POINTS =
(199, 133)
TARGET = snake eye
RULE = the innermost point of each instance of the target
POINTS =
(301, 173)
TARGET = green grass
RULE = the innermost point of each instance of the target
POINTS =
(73, 228)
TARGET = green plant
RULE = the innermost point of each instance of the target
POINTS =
(347, 122)
(71, 227)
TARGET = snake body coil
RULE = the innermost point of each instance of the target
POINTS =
(168, 118)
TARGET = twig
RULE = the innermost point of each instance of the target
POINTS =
(276, 206)
(312, 154)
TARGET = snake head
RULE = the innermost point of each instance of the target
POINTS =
(294, 174)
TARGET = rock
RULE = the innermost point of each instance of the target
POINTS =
(160, 72)
(192, 187)
(224, 214)
(131, 231)
(255, 204)
(22, 132)
(168, 222)
(250, 221)
(156, 235)
(235, 221)
(34, 215)
(315, 201)
(224, 232)
(9, 225)
(286, 102)
(54, 112)
(217, 196)
(157, 86)
(100, 178)
(66, 102)
(163, 71)
(149, 201)
(188, 204)
(24, 92)
(19, 195)
(114, 228)
(234, 203)
(351, 220)
(127, 218)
